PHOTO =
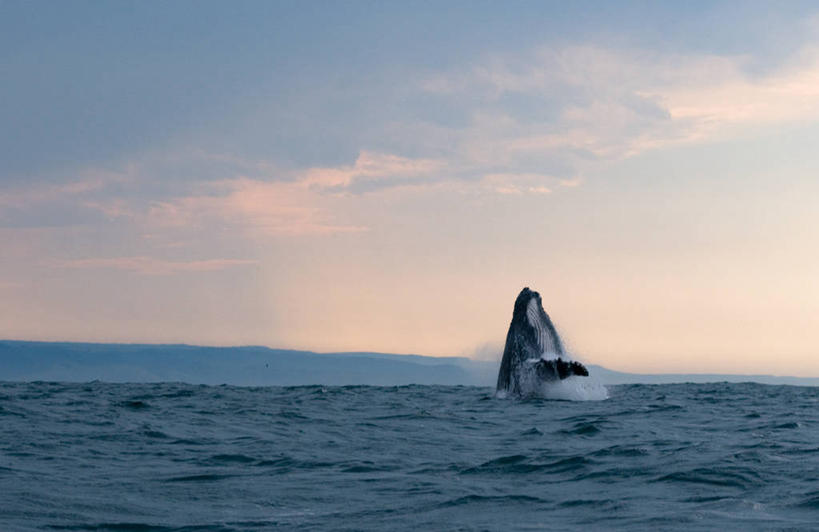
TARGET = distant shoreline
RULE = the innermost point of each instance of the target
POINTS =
(22, 360)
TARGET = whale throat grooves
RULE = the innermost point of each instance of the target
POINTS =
(534, 354)
(548, 341)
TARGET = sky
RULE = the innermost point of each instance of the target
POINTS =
(387, 176)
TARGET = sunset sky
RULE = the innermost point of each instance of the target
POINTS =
(387, 176)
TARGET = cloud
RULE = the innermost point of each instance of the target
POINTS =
(153, 266)
(517, 184)
(90, 181)
(78, 201)
(304, 204)
(370, 166)
(532, 123)
(569, 110)
(258, 208)
(730, 97)
(278, 203)
(9, 285)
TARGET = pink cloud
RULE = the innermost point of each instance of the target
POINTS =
(632, 101)
(260, 208)
(370, 165)
(571, 183)
(9, 285)
(518, 184)
(152, 266)
(274, 208)
(114, 208)
(90, 182)
(729, 97)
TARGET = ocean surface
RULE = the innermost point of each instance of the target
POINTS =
(181, 457)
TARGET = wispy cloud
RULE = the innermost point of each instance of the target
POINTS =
(88, 182)
(80, 200)
(517, 184)
(604, 104)
(371, 166)
(533, 123)
(9, 285)
(154, 266)
(287, 203)
(258, 208)
(729, 96)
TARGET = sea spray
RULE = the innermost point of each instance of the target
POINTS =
(570, 389)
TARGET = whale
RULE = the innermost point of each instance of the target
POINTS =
(534, 354)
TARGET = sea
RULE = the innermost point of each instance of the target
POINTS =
(179, 457)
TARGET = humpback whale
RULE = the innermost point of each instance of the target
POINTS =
(533, 353)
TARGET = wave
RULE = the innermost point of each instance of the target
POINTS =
(183, 458)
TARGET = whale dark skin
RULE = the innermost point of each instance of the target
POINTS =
(532, 335)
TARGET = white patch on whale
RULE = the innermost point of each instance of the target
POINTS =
(545, 342)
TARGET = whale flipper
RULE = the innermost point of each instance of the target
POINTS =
(559, 369)
(534, 352)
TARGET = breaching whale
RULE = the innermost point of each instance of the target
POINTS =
(533, 353)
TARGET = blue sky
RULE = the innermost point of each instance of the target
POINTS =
(387, 176)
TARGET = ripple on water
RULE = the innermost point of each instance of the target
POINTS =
(492, 499)
(582, 429)
(133, 404)
(809, 500)
(180, 457)
(715, 477)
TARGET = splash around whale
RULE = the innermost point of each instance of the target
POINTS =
(535, 363)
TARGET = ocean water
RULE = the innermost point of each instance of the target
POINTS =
(180, 457)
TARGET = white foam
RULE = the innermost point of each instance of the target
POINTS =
(573, 389)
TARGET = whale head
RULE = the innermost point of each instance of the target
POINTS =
(529, 314)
